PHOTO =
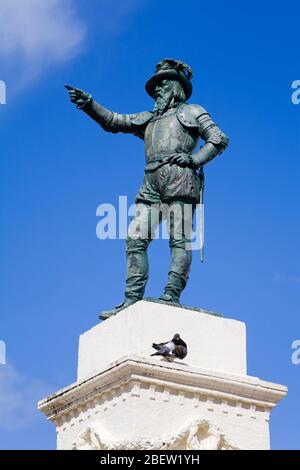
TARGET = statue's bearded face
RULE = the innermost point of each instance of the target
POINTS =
(163, 96)
(168, 93)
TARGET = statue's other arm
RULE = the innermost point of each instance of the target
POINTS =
(215, 141)
(197, 118)
(108, 120)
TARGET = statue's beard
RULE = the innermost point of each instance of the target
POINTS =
(162, 103)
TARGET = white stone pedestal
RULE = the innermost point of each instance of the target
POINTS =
(125, 399)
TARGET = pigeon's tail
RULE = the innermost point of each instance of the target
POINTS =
(155, 346)
(156, 354)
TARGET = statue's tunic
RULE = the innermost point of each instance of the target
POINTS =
(174, 132)
(164, 137)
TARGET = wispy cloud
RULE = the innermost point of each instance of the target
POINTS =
(18, 398)
(288, 278)
(113, 17)
(294, 279)
(37, 34)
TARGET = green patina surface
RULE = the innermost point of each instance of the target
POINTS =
(173, 172)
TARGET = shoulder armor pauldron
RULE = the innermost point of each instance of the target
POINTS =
(140, 119)
(188, 114)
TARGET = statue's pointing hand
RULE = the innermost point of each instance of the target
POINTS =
(79, 97)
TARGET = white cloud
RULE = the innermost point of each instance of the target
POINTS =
(18, 398)
(36, 34)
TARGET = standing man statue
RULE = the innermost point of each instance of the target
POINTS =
(173, 172)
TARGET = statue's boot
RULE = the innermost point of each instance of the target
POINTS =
(136, 275)
(173, 289)
(170, 298)
(179, 273)
(110, 313)
(181, 255)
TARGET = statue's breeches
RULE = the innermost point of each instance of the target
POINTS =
(168, 183)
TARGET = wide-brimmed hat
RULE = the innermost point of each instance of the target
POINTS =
(171, 69)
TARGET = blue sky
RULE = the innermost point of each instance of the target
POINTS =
(57, 167)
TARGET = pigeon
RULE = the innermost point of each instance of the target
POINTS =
(171, 349)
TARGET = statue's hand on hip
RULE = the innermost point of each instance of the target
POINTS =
(78, 97)
(181, 159)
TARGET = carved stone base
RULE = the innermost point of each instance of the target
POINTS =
(139, 402)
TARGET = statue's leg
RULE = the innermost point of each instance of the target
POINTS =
(180, 220)
(141, 231)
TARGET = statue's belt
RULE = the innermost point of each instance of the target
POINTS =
(161, 159)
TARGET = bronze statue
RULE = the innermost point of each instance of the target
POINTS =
(173, 171)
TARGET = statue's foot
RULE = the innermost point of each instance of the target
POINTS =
(170, 298)
(110, 313)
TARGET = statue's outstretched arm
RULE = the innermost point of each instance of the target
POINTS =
(108, 120)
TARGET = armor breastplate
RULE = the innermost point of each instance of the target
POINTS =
(165, 135)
